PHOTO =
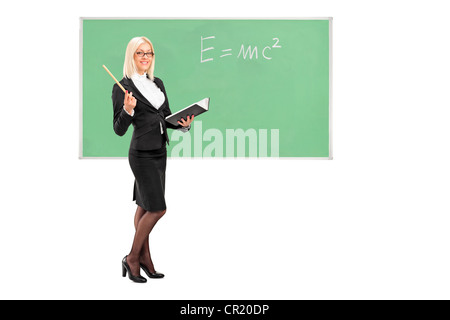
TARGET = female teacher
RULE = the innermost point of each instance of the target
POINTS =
(145, 106)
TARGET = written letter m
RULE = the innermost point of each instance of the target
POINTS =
(248, 51)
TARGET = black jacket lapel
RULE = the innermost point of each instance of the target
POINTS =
(129, 85)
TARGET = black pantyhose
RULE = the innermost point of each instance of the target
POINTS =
(144, 221)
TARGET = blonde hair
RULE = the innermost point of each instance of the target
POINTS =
(129, 67)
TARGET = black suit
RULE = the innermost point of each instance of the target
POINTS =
(147, 154)
(146, 120)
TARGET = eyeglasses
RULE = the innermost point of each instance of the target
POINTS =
(141, 54)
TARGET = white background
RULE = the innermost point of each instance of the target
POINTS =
(371, 224)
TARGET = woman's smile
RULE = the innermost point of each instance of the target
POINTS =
(142, 63)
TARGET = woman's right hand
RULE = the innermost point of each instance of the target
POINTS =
(129, 101)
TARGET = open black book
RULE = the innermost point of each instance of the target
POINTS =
(194, 109)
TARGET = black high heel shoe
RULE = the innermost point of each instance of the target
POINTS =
(126, 268)
(155, 275)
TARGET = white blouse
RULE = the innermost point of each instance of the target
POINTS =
(151, 92)
(149, 89)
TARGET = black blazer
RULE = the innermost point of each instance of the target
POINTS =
(146, 119)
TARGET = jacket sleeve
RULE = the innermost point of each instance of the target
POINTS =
(122, 119)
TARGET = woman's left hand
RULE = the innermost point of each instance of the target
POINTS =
(186, 123)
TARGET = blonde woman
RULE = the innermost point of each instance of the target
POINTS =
(145, 106)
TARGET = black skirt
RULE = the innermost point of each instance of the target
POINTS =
(149, 169)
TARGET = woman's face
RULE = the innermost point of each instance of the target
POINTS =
(143, 61)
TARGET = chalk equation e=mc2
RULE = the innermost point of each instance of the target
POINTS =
(249, 53)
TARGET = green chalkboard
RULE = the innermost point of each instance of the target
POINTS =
(268, 80)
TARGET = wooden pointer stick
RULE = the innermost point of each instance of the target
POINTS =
(123, 89)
